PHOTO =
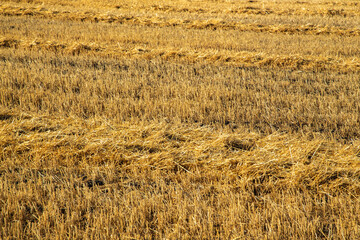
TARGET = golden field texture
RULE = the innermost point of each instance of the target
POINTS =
(179, 119)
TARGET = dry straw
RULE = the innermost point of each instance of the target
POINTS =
(178, 120)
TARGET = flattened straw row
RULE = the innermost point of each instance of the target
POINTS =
(247, 59)
(213, 24)
(249, 10)
(271, 160)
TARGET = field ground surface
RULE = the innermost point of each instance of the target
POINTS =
(181, 119)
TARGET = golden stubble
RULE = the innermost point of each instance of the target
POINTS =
(179, 120)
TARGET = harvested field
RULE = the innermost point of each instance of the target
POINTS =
(190, 23)
(179, 119)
